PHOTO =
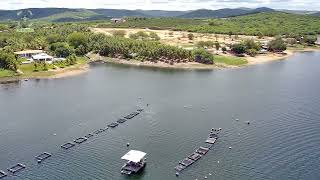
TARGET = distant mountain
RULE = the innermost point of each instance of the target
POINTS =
(221, 13)
(74, 15)
(161, 13)
(316, 14)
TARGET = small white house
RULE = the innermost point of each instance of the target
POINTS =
(43, 57)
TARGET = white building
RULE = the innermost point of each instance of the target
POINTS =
(43, 57)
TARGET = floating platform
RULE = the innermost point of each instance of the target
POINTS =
(88, 135)
(80, 140)
(195, 156)
(113, 125)
(16, 168)
(121, 120)
(43, 157)
(67, 145)
(187, 162)
(202, 150)
(180, 167)
(2, 174)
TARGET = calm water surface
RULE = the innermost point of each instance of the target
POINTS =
(280, 99)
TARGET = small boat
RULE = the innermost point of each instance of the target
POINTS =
(136, 161)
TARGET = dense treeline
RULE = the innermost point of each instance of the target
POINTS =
(263, 24)
(67, 40)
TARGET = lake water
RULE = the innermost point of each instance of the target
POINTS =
(280, 99)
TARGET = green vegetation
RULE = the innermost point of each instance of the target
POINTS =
(262, 24)
(6, 73)
(248, 46)
(277, 45)
(230, 60)
(141, 35)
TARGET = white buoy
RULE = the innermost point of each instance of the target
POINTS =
(248, 122)
(206, 177)
(177, 174)
(230, 147)
(128, 144)
(218, 161)
(220, 129)
(237, 119)
(54, 134)
(210, 174)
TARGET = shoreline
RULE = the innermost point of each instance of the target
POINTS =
(83, 68)
(51, 74)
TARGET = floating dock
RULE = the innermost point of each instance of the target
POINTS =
(199, 153)
(67, 145)
(16, 168)
(2, 174)
(43, 157)
(80, 140)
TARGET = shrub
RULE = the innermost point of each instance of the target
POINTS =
(202, 56)
(277, 45)
(238, 48)
(119, 33)
(190, 36)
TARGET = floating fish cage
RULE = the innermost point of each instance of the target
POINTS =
(195, 156)
(202, 150)
(121, 120)
(2, 174)
(134, 114)
(198, 154)
(88, 135)
(80, 140)
(187, 162)
(99, 131)
(16, 168)
(67, 145)
(113, 125)
(43, 157)
(180, 167)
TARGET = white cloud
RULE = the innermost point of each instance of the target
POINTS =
(162, 4)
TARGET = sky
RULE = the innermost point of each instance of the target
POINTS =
(311, 5)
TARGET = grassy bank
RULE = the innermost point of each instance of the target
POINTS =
(6, 73)
(29, 71)
(230, 60)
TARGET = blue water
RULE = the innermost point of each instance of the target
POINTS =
(280, 99)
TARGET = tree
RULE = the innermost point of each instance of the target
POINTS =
(217, 45)
(71, 59)
(8, 61)
(53, 38)
(224, 49)
(154, 36)
(61, 49)
(119, 33)
(76, 39)
(202, 56)
(310, 40)
(252, 52)
(238, 48)
(251, 44)
(277, 45)
(190, 36)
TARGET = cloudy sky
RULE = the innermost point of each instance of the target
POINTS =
(163, 4)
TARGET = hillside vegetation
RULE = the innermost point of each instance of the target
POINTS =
(262, 24)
